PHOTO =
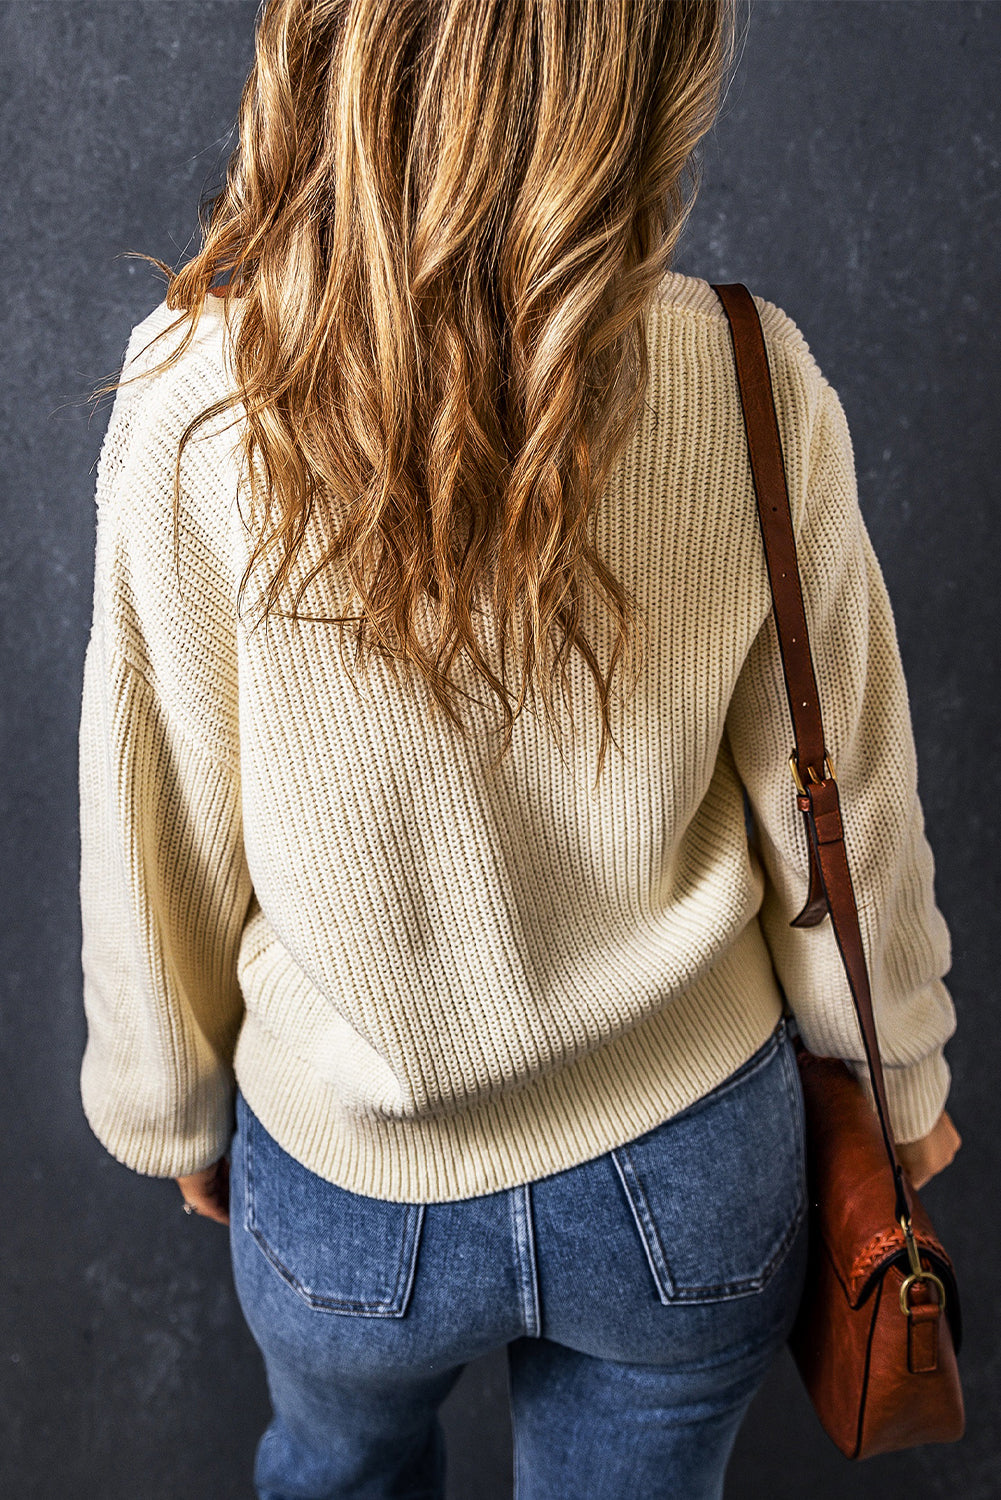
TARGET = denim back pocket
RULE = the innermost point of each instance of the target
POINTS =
(718, 1192)
(340, 1251)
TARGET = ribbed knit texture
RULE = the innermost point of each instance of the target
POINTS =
(431, 977)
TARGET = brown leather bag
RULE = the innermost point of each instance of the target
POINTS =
(870, 1341)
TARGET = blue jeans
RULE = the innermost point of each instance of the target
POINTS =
(641, 1297)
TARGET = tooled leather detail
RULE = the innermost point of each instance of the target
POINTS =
(886, 1243)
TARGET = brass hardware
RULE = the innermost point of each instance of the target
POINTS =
(918, 1273)
(828, 764)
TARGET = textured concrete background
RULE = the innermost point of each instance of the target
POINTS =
(853, 180)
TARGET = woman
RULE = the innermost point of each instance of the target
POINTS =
(479, 1040)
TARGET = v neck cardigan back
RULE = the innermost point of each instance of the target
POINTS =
(434, 976)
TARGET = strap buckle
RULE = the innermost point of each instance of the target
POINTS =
(794, 768)
(917, 1272)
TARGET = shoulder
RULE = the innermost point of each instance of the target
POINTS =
(162, 333)
(692, 352)
(156, 437)
(164, 573)
(690, 299)
(167, 381)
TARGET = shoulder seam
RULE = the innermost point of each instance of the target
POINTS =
(230, 766)
(786, 336)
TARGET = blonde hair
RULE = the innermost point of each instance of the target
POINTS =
(445, 221)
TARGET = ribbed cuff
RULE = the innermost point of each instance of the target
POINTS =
(146, 1134)
(916, 1093)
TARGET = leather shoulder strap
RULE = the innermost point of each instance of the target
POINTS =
(811, 763)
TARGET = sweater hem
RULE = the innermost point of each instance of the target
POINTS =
(601, 1100)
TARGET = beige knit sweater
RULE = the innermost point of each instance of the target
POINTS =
(431, 978)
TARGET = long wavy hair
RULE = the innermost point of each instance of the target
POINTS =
(442, 226)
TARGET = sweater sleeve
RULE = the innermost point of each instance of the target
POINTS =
(164, 885)
(868, 732)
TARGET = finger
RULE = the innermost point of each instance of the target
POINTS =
(209, 1202)
(206, 1209)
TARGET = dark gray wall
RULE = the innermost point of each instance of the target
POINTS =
(853, 179)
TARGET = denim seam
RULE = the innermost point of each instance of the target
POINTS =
(640, 1209)
(392, 1306)
(524, 1257)
(794, 1091)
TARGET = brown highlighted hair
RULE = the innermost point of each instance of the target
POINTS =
(443, 224)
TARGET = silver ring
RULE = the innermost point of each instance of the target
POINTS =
(189, 1208)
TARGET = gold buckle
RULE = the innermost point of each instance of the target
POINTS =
(918, 1272)
(794, 768)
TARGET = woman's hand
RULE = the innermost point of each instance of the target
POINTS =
(923, 1158)
(208, 1190)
